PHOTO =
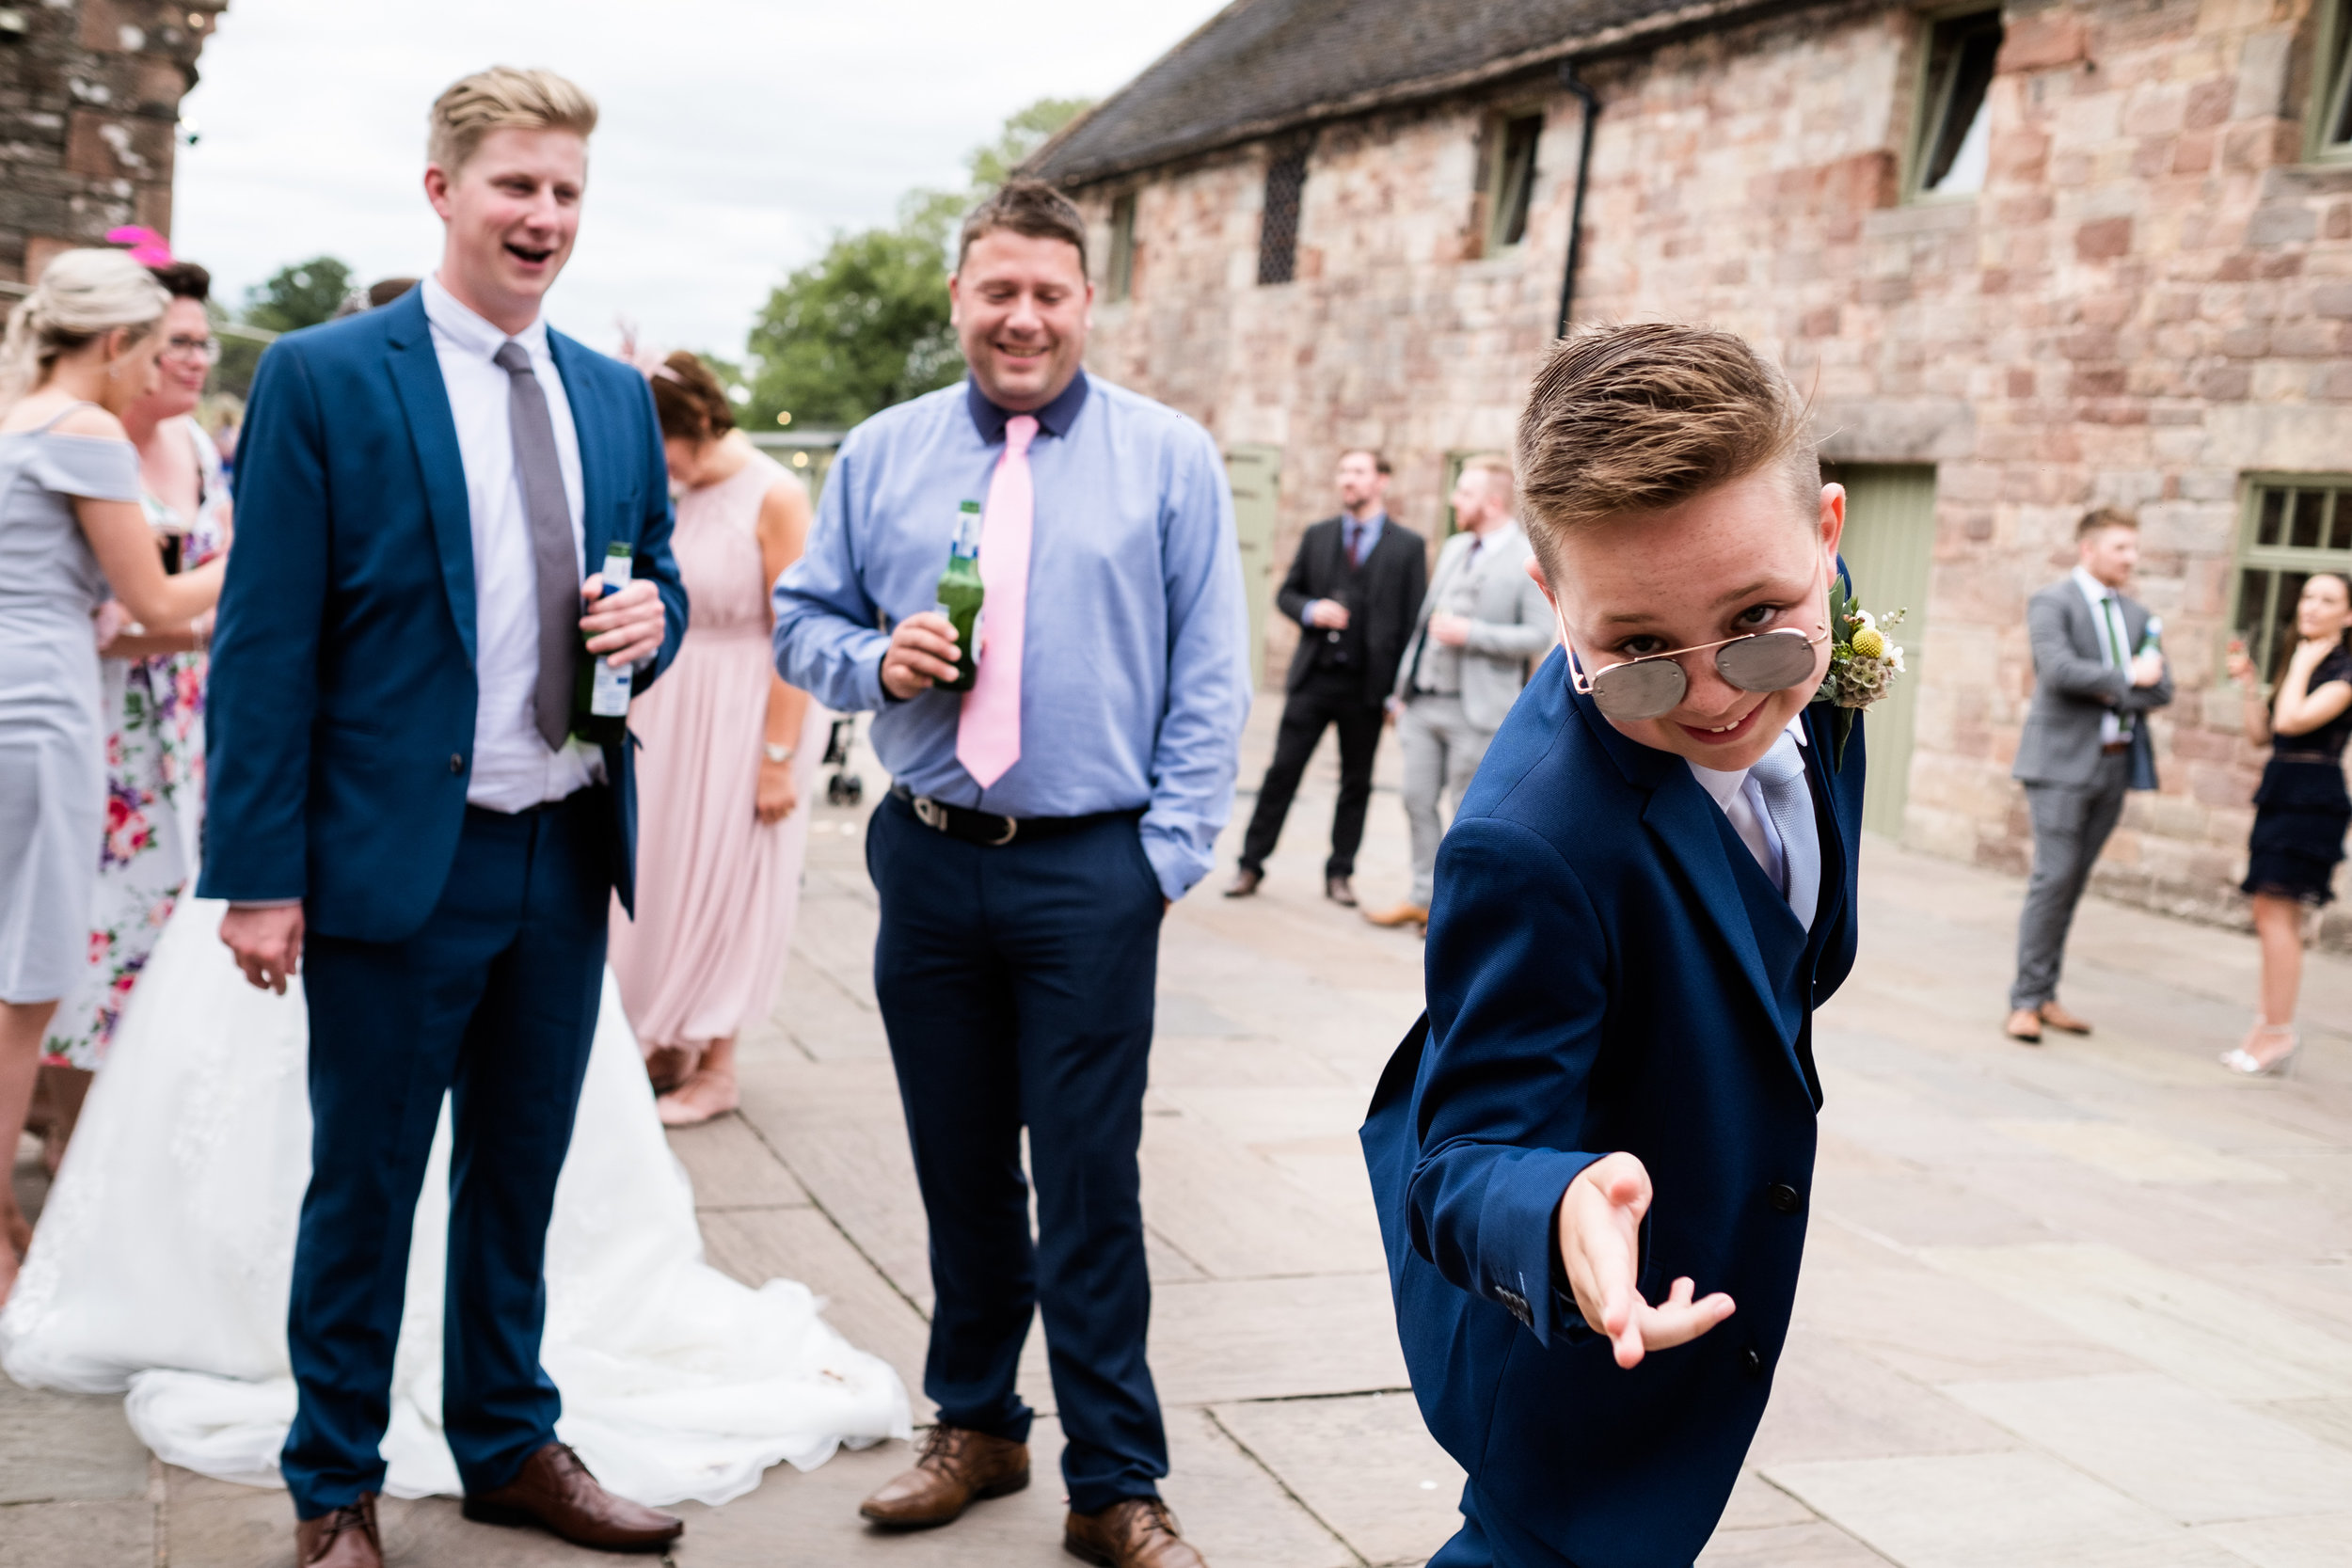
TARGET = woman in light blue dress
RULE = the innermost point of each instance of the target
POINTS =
(78, 349)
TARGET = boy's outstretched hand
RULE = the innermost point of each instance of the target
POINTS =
(1600, 1230)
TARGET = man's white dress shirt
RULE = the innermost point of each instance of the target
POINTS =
(1742, 798)
(2110, 634)
(512, 768)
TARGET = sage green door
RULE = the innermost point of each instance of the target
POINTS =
(1889, 548)
(1255, 473)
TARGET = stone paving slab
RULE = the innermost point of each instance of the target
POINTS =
(2085, 1305)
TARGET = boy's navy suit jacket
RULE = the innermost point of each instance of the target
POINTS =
(1608, 969)
(341, 714)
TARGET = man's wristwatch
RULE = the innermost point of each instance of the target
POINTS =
(778, 755)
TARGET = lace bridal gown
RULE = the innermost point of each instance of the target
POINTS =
(165, 1253)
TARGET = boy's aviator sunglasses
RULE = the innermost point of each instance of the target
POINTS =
(1655, 684)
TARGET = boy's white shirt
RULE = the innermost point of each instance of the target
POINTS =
(1742, 798)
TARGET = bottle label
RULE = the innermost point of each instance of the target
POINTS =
(608, 691)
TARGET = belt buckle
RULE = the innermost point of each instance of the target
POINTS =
(931, 814)
(1013, 825)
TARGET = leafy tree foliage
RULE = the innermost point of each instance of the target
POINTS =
(864, 326)
(303, 294)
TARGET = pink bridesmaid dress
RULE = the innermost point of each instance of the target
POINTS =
(716, 888)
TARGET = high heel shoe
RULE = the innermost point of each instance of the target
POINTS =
(2245, 1062)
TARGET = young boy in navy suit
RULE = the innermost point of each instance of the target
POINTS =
(1593, 1163)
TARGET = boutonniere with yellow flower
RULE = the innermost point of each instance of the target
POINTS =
(1864, 662)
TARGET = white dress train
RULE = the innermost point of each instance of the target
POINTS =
(166, 1251)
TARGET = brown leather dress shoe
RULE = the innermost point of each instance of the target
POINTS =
(1340, 890)
(1402, 914)
(1244, 882)
(1134, 1532)
(340, 1538)
(554, 1490)
(2023, 1026)
(957, 1468)
(2058, 1017)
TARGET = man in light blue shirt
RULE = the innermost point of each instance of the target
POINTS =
(1039, 827)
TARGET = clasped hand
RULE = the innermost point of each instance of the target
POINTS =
(922, 653)
(1600, 1225)
(625, 628)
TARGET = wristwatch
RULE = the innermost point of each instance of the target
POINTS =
(778, 753)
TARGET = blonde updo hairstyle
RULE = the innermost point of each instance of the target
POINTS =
(82, 295)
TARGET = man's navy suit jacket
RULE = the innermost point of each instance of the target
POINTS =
(1608, 969)
(339, 720)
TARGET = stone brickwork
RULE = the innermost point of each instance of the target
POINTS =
(89, 108)
(2151, 300)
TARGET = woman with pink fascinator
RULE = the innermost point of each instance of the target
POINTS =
(728, 755)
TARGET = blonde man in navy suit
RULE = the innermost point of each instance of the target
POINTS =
(1593, 1160)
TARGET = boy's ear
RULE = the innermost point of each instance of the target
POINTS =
(1833, 516)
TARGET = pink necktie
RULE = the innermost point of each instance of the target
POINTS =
(988, 736)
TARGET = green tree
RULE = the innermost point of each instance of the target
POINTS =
(1025, 132)
(864, 326)
(303, 294)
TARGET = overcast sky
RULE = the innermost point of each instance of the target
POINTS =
(737, 135)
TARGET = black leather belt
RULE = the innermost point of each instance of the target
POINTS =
(988, 828)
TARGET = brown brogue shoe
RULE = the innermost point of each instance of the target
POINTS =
(2023, 1025)
(1133, 1532)
(554, 1490)
(340, 1538)
(957, 1468)
(1406, 913)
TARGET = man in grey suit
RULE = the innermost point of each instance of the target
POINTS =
(2086, 742)
(1482, 625)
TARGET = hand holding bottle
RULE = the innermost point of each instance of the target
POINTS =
(922, 653)
(625, 627)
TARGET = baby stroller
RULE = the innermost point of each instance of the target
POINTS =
(844, 788)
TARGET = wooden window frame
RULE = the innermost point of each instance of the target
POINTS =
(1931, 101)
(1119, 264)
(2328, 103)
(2279, 560)
(1282, 214)
(1488, 210)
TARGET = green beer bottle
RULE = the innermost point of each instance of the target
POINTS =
(601, 693)
(959, 596)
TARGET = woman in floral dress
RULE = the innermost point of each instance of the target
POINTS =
(153, 698)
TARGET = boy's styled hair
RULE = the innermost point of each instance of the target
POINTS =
(1026, 206)
(2101, 517)
(1642, 418)
(502, 98)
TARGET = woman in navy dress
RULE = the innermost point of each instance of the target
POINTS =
(2301, 810)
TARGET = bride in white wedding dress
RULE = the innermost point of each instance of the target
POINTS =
(166, 1249)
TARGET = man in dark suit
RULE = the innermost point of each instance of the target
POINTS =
(1354, 587)
(2097, 674)
(1647, 890)
(401, 809)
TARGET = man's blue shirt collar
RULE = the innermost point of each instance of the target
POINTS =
(1056, 417)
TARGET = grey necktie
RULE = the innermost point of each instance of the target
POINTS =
(553, 557)
(1788, 801)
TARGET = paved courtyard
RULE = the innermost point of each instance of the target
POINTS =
(2085, 1305)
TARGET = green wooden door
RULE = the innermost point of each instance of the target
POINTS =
(1255, 473)
(1889, 546)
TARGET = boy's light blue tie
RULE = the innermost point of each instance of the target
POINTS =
(1788, 801)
